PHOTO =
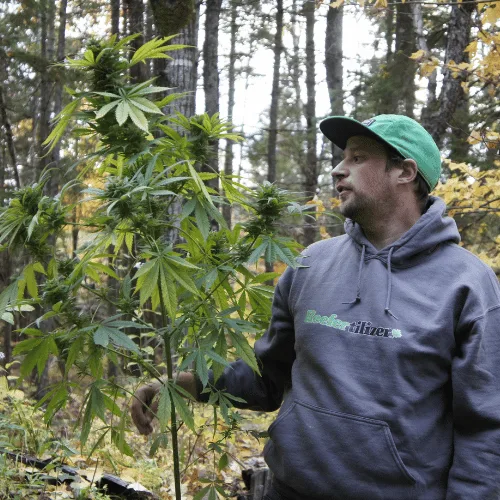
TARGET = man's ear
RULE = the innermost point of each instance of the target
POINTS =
(407, 172)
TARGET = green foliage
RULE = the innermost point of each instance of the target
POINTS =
(148, 220)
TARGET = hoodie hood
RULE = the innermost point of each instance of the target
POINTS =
(431, 230)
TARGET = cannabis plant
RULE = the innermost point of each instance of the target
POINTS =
(155, 250)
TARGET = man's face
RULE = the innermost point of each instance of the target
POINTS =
(364, 185)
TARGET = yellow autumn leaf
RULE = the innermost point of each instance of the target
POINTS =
(427, 67)
(474, 137)
(336, 4)
(381, 4)
(491, 13)
(471, 48)
(418, 55)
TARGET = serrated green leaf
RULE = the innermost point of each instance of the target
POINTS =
(145, 105)
(202, 493)
(151, 90)
(121, 339)
(105, 109)
(8, 317)
(138, 117)
(244, 350)
(181, 407)
(147, 283)
(169, 293)
(161, 441)
(121, 113)
(256, 254)
(202, 220)
(108, 94)
(164, 408)
(76, 349)
(201, 368)
(31, 284)
(101, 336)
(223, 461)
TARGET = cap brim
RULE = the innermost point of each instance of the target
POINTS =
(340, 128)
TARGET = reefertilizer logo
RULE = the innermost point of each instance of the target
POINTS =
(360, 327)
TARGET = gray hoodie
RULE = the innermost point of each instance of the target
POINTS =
(388, 366)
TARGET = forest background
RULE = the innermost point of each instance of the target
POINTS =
(273, 70)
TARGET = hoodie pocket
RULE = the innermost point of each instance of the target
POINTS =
(332, 455)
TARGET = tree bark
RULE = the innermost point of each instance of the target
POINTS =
(310, 170)
(451, 91)
(229, 156)
(9, 139)
(52, 184)
(46, 9)
(405, 67)
(418, 26)
(115, 17)
(334, 69)
(135, 10)
(211, 77)
(275, 95)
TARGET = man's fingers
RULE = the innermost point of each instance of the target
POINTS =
(143, 409)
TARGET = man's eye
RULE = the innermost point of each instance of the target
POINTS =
(356, 159)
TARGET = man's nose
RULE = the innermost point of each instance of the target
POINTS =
(339, 171)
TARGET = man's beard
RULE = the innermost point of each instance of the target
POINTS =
(355, 208)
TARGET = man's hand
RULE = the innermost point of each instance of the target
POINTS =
(144, 407)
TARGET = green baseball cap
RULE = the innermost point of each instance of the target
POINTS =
(398, 132)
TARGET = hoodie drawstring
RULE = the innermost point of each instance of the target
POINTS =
(389, 282)
(389, 285)
(358, 292)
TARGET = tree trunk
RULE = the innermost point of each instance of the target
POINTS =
(418, 26)
(334, 69)
(228, 156)
(451, 91)
(46, 9)
(296, 77)
(275, 95)
(135, 10)
(52, 184)
(398, 91)
(211, 77)
(115, 17)
(404, 67)
(178, 16)
(311, 167)
(9, 139)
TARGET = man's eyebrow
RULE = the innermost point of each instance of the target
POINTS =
(354, 149)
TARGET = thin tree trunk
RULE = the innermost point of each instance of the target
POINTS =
(404, 66)
(44, 111)
(451, 90)
(418, 26)
(229, 156)
(135, 10)
(311, 167)
(9, 139)
(334, 69)
(211, 77)
(275, 95)
(52, 184)
(115, 17)
(296, 76)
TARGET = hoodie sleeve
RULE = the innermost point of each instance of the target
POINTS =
(475, 471)
(275, 355)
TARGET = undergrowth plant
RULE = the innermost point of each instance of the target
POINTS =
(155, 250)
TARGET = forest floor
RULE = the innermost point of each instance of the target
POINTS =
(22, 429)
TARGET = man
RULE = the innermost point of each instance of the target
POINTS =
(385, 347)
